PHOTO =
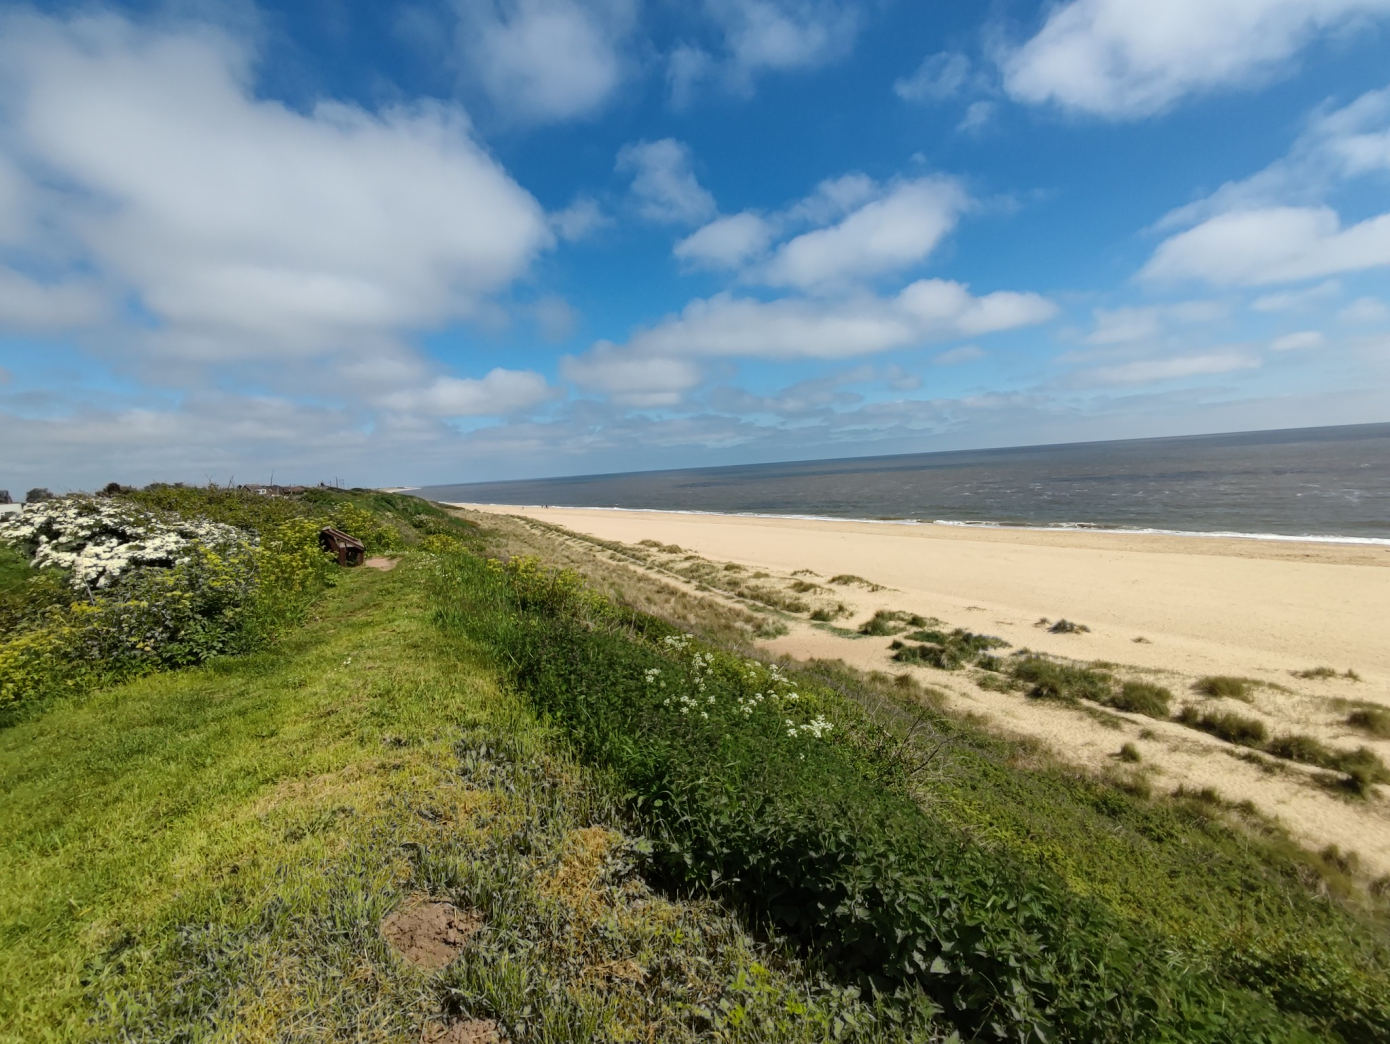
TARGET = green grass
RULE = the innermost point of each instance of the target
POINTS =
(1050, 680)
(1224, 686)
(1139, 697)
(1372, 720)
(206, 855)
(1233, 728)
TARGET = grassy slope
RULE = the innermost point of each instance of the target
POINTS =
(207, 854)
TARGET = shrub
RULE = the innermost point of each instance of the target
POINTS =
(1140, 697)
(1233, 728)
(1225, 686)
(1374, 720)
(786, 803)
(1067, 627)
(1050, 680)
(942, 657)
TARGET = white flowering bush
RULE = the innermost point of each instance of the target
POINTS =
(144, 590)
(756, 686)
(97, 541)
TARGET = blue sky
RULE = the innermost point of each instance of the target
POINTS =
(480, 239)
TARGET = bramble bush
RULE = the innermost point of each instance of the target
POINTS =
(777, 797)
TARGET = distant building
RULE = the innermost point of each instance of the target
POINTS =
(10, 509)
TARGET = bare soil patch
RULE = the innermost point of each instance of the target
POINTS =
(384, 564)
(473, 1031)
(430, 934)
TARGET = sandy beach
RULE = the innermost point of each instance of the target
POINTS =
(1165, 608)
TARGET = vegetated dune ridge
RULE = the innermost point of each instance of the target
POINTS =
(1260, 610)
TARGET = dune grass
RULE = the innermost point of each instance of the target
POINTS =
(1223, 686)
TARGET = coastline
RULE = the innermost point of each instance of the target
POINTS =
(1163, 608)
(1056, 527)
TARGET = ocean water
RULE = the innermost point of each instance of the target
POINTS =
(1303, 482)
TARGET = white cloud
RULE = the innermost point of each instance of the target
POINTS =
(1297, 342)
(630, 379)
(30, 306)
(1147, 371)
(955, 356)
(927, 310)
(726, 242)
(1297, 300)
(937, 78)
(239, 221)
(1365, 310)
(1120, 326)
(891, 233)
(977, 116)
(1123, 59)
(1333, 147)
(1271, 245)
(663, 184)
(556, 318)
(759, 36)
(783, 34)
(687, 68)
(579, 219)
(546, 60)
(833, 198)
(500, 393)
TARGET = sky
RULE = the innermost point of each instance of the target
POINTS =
(458, 240)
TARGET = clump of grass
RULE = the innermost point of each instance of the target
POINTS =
(948, 651)
(1372, 720)
(1320, 673)
(1050, 680)
(1129, 752)
(1139, 697)
(804, 572)
(1104, 718)
(1141, 640)
(1225, 686)
(824, 613)
(803, 586)
(1233, 728)
(1068, 627)
(1362, 767)
(732, 567)
(887, 622)
(845, 579)
(942, 657)
(988, 662)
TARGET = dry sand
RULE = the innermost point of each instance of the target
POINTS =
(1258, 609)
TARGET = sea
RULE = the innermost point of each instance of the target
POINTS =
(1329, 483)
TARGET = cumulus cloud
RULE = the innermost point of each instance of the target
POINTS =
(891, 233)
(726, 242)
(760, 36)
(1124, 326)
(500, 393)
(629, 378)
(1149, 371)
(546, 60)
(1297, 342)
(664, 186)
(1122, 60)
(795, 328)
(1297, 300)
(1365, 310)
(1271, 245)
(239, 220)
(30, 306)
(938, 77)
(1273, 227)
(556, 318)
(579, 219)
